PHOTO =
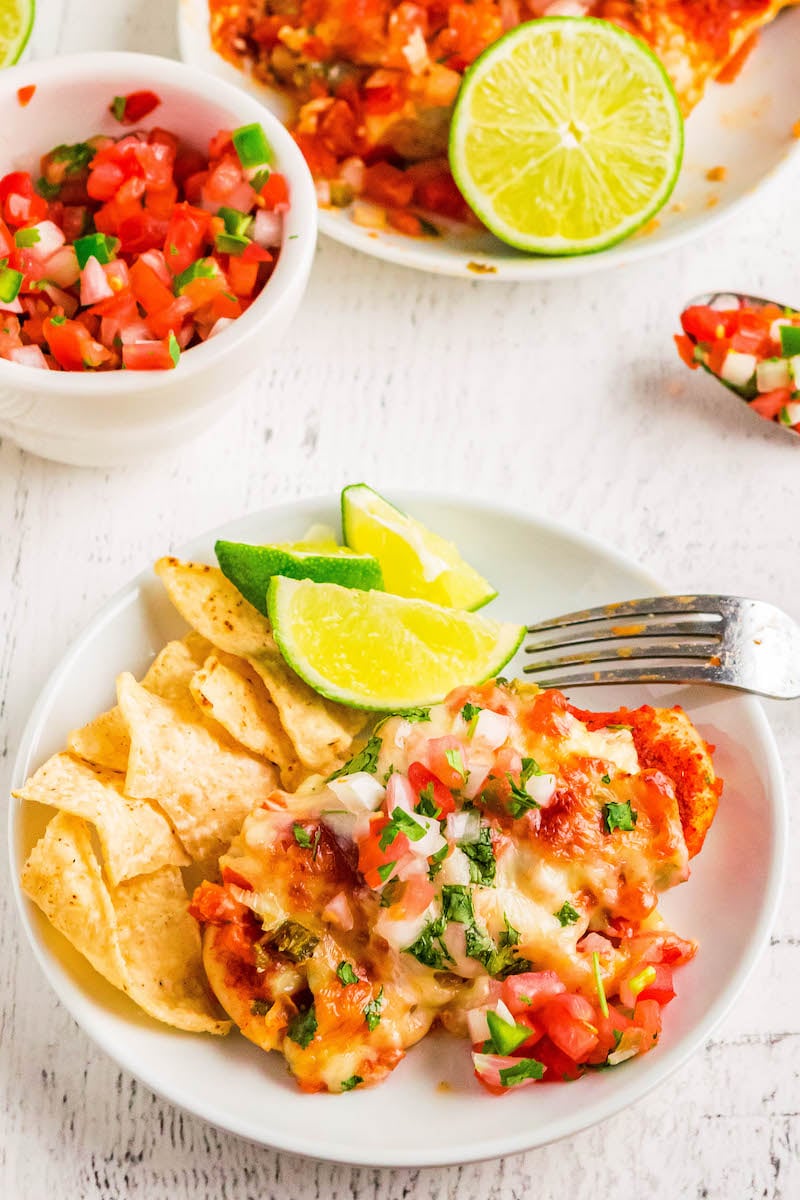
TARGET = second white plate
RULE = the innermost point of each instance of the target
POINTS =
(745, 127)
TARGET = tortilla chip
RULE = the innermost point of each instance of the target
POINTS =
(63, 876)
(133, 836)
(204, 782)
(322, 732)
(160, 945)
(230, 691)
(104, 742)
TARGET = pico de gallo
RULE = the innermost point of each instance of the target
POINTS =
(492, 863)
(753, 348)
(124, 252)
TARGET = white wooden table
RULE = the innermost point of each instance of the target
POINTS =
(566, 399)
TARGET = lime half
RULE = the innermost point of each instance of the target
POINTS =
(250, 568)
(16, 23)
(566, 136)
(414, 560)
(376, 651)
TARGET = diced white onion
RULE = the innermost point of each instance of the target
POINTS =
(369, 216)
(268, 229)
(491, 728)
(29, 356)
(51, 238)
(218, 326)
(136, 331)
(726, 302)
(341, 824)
(794, 367)
(455, 868)
(400, 794)
(263, 906)
(11, 306)
(156, 261)
(401, 934)
(352, 172)
(542, 789)
(415, 52)
(94, 284)
(477, 1025)
(503, 1011)
(790, 413)
(775, 328)
(431, 841)
(773, 373)
(338, 912)
(404, 728)
(455, 939)
(359, 792)
(738, 369)
(464, 826)
(478, 774)
(63, 268)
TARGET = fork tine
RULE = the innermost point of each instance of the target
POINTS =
(651, 607)
(700, 649)
(597, 632)
(690, 673)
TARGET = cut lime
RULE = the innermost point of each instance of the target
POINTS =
(250, 568)
(566, 136)
(16, 23)
(415, 562)
(376, 651)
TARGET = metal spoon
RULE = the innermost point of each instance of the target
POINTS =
(725, 302)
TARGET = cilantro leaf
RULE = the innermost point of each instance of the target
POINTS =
(470, 713)
(429, 949)
(347, 1085)
(619, 816)
(295, 941)
(427, 806)
(605, 779)
(301, 836)
(455, 760)
(386, 869)
(401, 822)
(388, 774)
(529, 767)
(525, 1068)
(457, 904)
(416, 714)
(436, 861)
(519, 800)
(346, 973)
(260, 1008)
(510, 936)
(302, 1027)
(481, 858)
(365, 760)
(567, 915)
(372, 1011)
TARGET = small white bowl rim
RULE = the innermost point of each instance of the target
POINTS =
(297, 249)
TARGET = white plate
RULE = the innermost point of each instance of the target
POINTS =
(410, 1120)
(745, 127)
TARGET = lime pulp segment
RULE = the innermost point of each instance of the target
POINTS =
(373, 650)
(16, 23)
(567, 136)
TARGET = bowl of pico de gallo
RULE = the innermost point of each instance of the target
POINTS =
(157, 228)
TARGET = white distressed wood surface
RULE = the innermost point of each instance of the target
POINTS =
(566, 399)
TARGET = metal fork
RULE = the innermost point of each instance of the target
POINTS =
(726, 640)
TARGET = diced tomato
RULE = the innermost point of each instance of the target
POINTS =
(220, 144)
(138, 105)
(321, 161)
(558, 1066)
(440, 195)
(242, 276)
(769, 404)
(72, 346)
(570, 1023)
(704, 324)
(609, 1030)
(371, 856)
(26, 94)
(386, 95)
(685, 347)
(420, 778)
(104, 181)
(404, 222)
(475, 27)
(7, 245)
(223, 180)
(147, 356)
(20, 203)
(661, 989)
(417, 894)
(148, 289)
(717, 355)
(213, 904)
(386, 184)
(186, 234)
(171, 317)
(275, 191)
(188, 162)
(141, 231)
(647, 1015)
(527, 993)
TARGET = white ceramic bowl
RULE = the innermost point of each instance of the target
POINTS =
(728, 904)
(109, 418)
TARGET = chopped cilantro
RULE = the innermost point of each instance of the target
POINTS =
(457, 904)
(260, 1008)
(618, 727)
(567, 915)
(301, 836)
(365, 760)
(58, 320)
(400, 822)
(605, 779)
(392, 892)
(295, 941)
(388, 774)
(416, 714)
(76, 156)
(117, 107)
(519, 801)
(501, 681)
(617, 1035)
(436, 860)
(598, 983)
(174, 349)
(386, 869)
(456, 762)
(302, 1028)
(481, 858)
(427, 807)
(372, 1011)
(530, 767)
(347, 1085)
(525, 1068)
(469, 712)
(619, 816)
(48, 190)
(346, 973)
(510, 936)
(429, 949)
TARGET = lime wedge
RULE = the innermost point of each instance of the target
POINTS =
(566, 136)
(16, 23)
(250, 568)
(376, 651)
(415, 562)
